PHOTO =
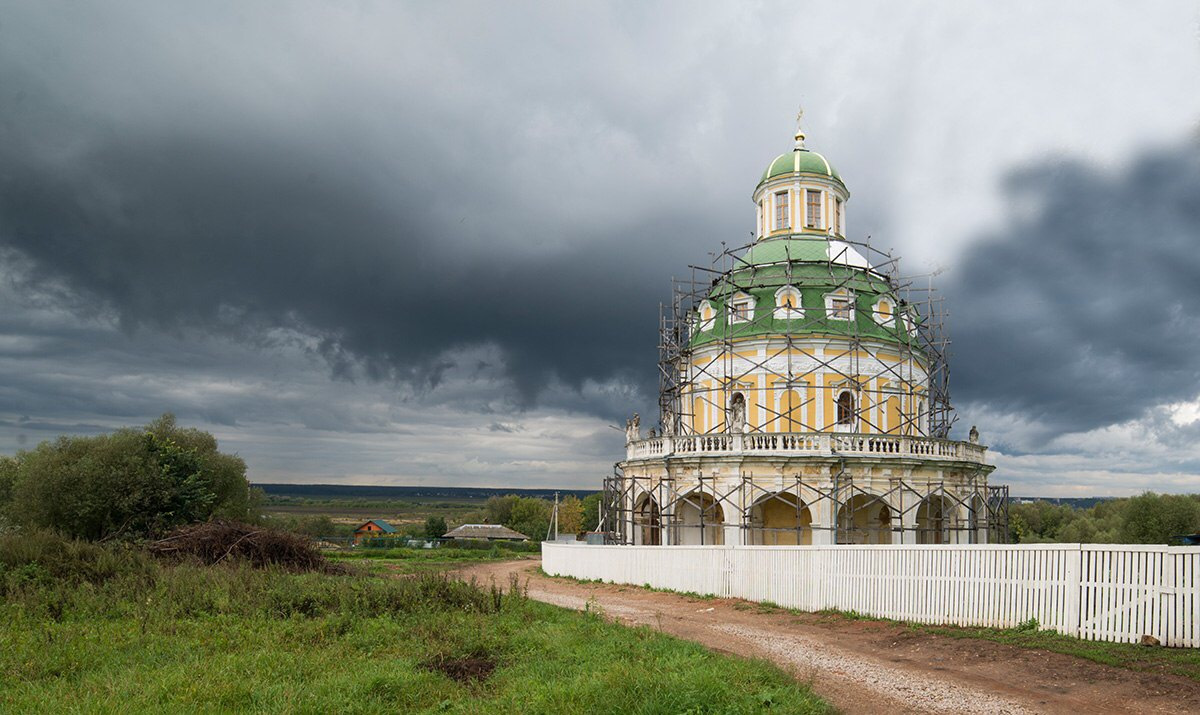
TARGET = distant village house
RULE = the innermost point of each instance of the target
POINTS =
(486, 532)
(372, 529)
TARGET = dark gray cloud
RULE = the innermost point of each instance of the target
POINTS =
(468, 213)
(233, 230)
(1083, 310)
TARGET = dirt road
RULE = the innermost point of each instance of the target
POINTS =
(870, 667)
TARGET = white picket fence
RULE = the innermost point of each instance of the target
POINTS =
(1098, 592)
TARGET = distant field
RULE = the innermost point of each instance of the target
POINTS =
(354, 511)
(400, 506)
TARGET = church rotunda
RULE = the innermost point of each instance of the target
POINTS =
(804, 395)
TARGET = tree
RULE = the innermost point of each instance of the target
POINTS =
(316, 526)
(131, 483)
(531, 517)
(570, 515)
(591, 511)
(435, 527)
(498, 510)
(1158, 518)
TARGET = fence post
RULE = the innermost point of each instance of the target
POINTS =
(1074, 589)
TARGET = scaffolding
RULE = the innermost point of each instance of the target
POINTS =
(704, 509)
(883, 370)
(700, 369)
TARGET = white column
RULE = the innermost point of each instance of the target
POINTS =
(908, 520)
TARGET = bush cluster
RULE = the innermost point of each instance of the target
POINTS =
(1146, 519)
(130, 484)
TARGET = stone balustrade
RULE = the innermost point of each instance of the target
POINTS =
(811, 443)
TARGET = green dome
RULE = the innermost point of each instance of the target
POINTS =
(813, 266)
(800, 161)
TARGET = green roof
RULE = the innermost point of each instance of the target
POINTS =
(800, 161)
(790, 248)
(387, 528)
(815, 267)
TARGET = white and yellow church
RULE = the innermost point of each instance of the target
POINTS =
(804, 395)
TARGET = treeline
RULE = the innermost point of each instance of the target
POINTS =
(531, 516)
(1146, 519)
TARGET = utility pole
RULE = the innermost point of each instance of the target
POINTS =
(553, 527)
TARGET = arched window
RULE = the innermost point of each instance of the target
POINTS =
(787, 304)
(741, 308)
(707, 316)
(813, 201)
(782, 220)
(698, 421)
(883, 311)
(845, 409)
(839, 305)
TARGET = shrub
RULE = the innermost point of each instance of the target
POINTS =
(1158, 518)
(132, 483)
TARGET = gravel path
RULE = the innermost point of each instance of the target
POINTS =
(932, 695)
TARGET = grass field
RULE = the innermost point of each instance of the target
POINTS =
(90, 629)
(413, 561)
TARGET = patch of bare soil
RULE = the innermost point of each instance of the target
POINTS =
(874, 667)
(465, 669)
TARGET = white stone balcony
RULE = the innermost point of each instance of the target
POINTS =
(816, 444)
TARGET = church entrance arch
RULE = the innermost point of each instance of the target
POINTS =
(699, 519)
(933, 520)
(647, 522)
(865, 519)
(780, 519)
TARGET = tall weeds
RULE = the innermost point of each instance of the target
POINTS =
(44, 574)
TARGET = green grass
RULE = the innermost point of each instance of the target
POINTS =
(139, 636)
(415, 561)
(1178, 661)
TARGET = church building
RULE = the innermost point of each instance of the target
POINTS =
(804, 394)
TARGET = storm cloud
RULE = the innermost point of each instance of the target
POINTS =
(427, 242)
(1084, 309)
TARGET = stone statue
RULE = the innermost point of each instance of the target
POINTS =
(739, 416)
(653, 433)
(633, 429)
(973, 435)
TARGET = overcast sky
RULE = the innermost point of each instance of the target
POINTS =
(425, 243)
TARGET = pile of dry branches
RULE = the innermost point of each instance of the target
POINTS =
(217, 542)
